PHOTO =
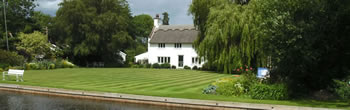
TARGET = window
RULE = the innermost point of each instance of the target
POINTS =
(163, 59)
(161, 45)
(178, 45)
(196, 60)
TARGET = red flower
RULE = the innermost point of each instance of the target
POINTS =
(251, 68)
(241, 67)
(246, 69)
(237, 69)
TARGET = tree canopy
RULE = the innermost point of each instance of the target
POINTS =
(166, 18)
(304, 42)
(94, 30)
(18, 19)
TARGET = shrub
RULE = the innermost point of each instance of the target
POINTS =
(148, 65)
(52, 66)
(194, 67)
(248, 80)
(1, 70)
(156, 65)
(165, 65)
(211, 89)
(271, 92)
(59, 63)
(173, 67)
(342, 89)
(32, 66)
(8, 58)
(134, 66)
(3, 65)
(229, 87)
(187, 67)
(67, 64)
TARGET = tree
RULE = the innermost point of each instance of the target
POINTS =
(308, 41)
(228, 37)
(166, 18)
(18, 15)
(42, 21)
(94, 30)
(34, 44)
(141, 27)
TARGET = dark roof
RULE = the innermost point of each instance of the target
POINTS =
(174, 34)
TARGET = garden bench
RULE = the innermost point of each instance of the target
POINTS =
(17, 73)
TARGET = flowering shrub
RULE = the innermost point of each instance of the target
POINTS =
(243, 69)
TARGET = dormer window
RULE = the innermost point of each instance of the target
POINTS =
(161, 45)
(178, 45)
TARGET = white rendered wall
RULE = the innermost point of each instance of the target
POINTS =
(170, 51)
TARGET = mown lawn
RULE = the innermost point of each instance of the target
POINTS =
(154, 82)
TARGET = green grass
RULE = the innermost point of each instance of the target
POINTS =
(154, 82)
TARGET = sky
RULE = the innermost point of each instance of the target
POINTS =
(177, 9)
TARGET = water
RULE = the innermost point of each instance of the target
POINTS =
(24, 101)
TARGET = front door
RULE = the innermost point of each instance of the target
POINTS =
(181, 61)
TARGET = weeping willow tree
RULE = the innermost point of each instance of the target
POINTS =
(229, 38)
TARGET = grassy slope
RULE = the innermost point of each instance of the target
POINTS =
(154, 82)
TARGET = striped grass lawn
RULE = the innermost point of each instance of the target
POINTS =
(154, 82)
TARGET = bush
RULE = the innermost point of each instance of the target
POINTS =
(248, 80)
(148, 65)
(342, 89)
(187, 67)
(59, 63)
(229, 87)
(156, 65)
(270, 92)
(211, 89)
(165, 65)
(173, 67)
(52, 66)
(134, 66)
(67, 64)
(195, 68)
(8, 58)
(1, 70)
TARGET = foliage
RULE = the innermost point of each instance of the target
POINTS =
(1, 70)
(194, 68)
(48, 64)
(298, 39)
(156, 65)
(18, 18)
(272, 92)
(166, 18)
(229, 87)
(10, 59)
(232, 40)
(148, 65)
(165, 65)
(342, 89)
(211, 89)
(173, 67)
(142, 26)
(308, 40)
(94, 30)
(187, 67)
(34, 44)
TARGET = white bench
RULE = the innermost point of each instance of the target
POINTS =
(17, 73)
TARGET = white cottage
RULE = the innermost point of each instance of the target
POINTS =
(171, 44)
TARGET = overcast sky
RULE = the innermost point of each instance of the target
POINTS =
(177, 9)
